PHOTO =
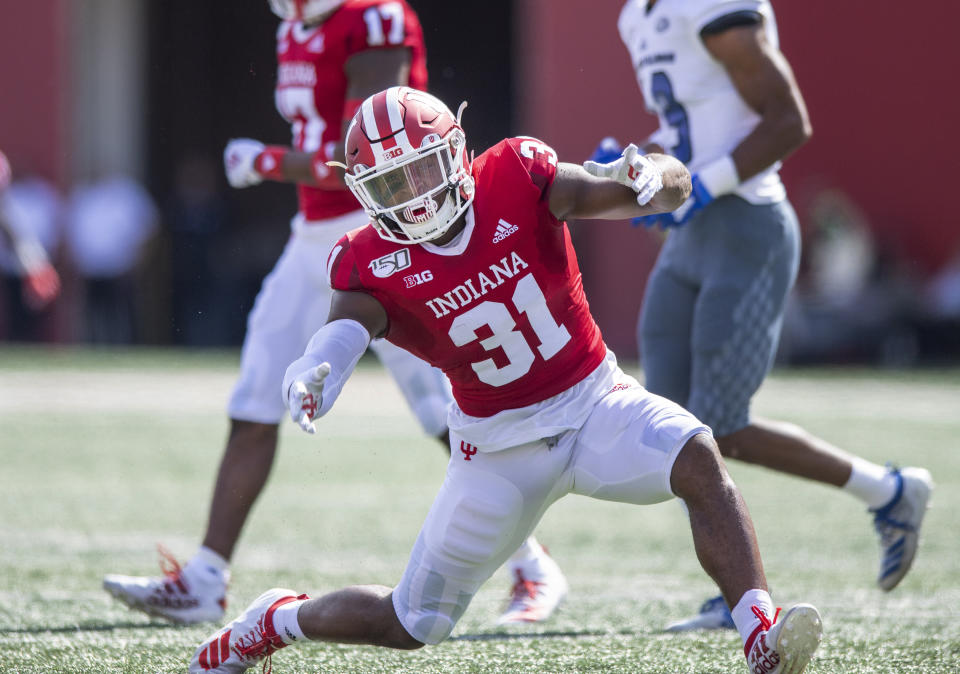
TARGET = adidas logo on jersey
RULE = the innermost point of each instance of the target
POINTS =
(504, 229)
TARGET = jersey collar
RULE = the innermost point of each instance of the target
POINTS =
(459, 244)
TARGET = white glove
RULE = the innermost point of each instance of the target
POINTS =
(633, 170)
(305, 396)
(238, 162)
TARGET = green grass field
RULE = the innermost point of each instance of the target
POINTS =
(104, 455)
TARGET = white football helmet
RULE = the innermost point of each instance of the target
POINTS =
(303, 10)
(407, 164)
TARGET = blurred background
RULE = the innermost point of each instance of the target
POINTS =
(114, 115)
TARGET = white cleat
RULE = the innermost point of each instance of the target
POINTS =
(786, 646)
(247, 640)
(538, 589)
(713, 615)
(173, 596)
(898, 525)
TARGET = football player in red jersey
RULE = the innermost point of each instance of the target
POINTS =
(469, 265)
(331, 54)
(40, 281)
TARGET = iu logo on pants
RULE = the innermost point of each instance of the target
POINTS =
(467, 449)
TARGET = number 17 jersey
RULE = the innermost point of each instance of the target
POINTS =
(312, 82)
(501, 310)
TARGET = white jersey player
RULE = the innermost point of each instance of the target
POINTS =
(729, 108)
(702, 115)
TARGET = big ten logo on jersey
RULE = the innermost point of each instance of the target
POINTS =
(390, 264)
(418, 279)
(530, 147)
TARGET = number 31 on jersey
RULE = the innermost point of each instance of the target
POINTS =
(529, 300)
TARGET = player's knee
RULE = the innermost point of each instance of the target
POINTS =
(393, 634)
(400, 639)
(699, 469)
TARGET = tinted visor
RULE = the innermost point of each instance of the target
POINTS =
(409, 181)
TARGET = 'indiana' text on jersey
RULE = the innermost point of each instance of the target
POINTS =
(466, 292)
(506, 319)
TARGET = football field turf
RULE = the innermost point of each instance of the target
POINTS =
(106, 454)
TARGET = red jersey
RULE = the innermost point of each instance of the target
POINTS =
(502, 311)
(312, 85)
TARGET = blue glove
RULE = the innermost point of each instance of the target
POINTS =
(607, 151)
(699, 197)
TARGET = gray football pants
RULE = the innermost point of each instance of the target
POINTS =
(714, 306)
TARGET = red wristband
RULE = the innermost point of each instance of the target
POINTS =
(326, 177)
(269, 163)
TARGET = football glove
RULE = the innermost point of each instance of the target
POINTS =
(699, 197)
(305, 396)
(632, 169)
(239, 158)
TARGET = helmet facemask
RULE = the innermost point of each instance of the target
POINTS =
(417, 197)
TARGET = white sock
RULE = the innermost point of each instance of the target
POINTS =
(746, 620)
(286, 622)
(209, 566)
(871, 483)
(528, 552)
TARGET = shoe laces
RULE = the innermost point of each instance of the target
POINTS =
(765, 622)
(258, 644)
(171, 568)
(524, 588)
(885, 525)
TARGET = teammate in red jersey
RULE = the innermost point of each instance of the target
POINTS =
(331, 54)
(469, 265)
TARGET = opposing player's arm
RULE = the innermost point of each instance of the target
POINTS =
(609, 196)
(765, 81)
(313, 382)
(367, 72)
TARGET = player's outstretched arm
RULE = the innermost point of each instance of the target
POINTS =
(630, 186)
(763, 78)
(248, 162)
(313, 382)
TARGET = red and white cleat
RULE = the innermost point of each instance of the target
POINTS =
(247, 640)
(785, 646)
(539, 588)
